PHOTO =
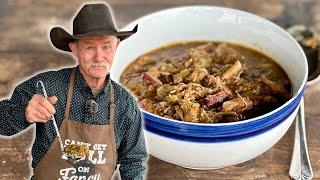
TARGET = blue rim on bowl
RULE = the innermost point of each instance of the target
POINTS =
(217, 133)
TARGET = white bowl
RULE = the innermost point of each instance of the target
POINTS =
(207, 146)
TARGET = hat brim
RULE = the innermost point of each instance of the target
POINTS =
(60, 38)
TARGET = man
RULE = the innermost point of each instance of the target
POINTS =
(88, 106)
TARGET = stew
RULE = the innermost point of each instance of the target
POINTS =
(207, 82)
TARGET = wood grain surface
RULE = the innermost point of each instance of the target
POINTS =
(25, 50)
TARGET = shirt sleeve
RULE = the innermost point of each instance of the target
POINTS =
(12, 111)
(132, 154)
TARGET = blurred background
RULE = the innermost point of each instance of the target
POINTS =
(25, 49)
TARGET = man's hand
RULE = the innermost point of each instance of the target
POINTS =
(39, 109)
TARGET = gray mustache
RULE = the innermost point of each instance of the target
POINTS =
(98, 65)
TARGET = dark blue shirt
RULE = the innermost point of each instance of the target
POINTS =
(131, 150)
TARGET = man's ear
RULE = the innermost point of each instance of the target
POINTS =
(73, 47)
(118, 41)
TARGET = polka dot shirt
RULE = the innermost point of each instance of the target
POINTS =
(131, 150)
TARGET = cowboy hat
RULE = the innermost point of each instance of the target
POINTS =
(91, 20)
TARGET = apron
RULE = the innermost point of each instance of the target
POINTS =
(101, 141)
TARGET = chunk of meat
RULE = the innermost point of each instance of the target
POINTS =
(214, 99)
(224, 88)
(179, 113)
(166, 78)
(149, 79)
(144, 61)
(225, 54)
(210, 80)
(178, 77)
(146, 105)
(197, 75)
(273, 85)
(233, 70)
(167, 67)
(148, 92)
(198, 57)
(208, 47)
(173, 99)
(162, 108)
(237, 105)
(131, 74)
(204, 116)
(159, 68)
(224, 117)
(136, 68)
(164, 90)
(188, 63)
(195, 91)
(190, 110)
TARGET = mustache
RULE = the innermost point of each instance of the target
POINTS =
(98, 65)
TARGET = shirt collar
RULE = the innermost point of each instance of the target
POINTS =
(80, 82)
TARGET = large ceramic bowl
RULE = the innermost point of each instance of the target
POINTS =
(206, 146)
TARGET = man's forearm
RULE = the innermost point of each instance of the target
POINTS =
(133, 170)
(133, 149)
(132, 161)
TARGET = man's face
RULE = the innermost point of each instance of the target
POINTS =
(95, 54)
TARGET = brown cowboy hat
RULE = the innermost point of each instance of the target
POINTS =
(91, 20)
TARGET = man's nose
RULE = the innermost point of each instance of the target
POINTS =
(99, 55)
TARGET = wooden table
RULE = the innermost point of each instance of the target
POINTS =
(25, 50)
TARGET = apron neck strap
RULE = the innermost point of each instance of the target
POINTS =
(70, 91)
(69, 98)
(112, 104)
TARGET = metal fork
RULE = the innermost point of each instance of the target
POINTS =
(300, 166)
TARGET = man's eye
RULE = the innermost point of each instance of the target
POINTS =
(106, 47)
(89, 48)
